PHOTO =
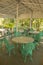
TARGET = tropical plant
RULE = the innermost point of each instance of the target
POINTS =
(8, 23)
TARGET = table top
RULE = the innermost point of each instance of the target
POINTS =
(21, 30)
(23, 40)
(2, 29)
(42, 37)
(34, 32)
(0, 35)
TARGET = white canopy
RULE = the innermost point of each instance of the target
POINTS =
(26, 8)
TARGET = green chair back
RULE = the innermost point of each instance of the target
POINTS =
(9, 46)
(27, 50)
(41, 33)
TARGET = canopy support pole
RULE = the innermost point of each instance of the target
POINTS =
(17, 20)
(31, 20)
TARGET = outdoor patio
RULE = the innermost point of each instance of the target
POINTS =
(21, 32)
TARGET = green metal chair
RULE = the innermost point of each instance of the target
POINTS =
(31, 34)
(25, 33)
(27, 50)
(41, 34)
(9, 34)
(36, 44)
(17, 34)
(36, 37)
(9, 47)
(31, 29)
(1, 42)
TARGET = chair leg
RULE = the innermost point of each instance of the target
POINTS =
(14, 52)
(9, 53)
(24, 57)
(31, 58)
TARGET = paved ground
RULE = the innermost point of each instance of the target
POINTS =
(17, 60)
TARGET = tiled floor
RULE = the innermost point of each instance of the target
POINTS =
(17, 60)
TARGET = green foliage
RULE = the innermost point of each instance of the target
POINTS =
(37, 23)
(9, 23)
(24, 23)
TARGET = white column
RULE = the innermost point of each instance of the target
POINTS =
(17, 20)
(30, 23)
(31, 20)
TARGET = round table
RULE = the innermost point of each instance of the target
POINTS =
(41, 40)
(0, 35)
(42, 37)
(34, 32)
(23, 40)
(21, 30)
(2, 31)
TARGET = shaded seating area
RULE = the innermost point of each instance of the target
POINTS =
(27, 46)
(21, 31)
